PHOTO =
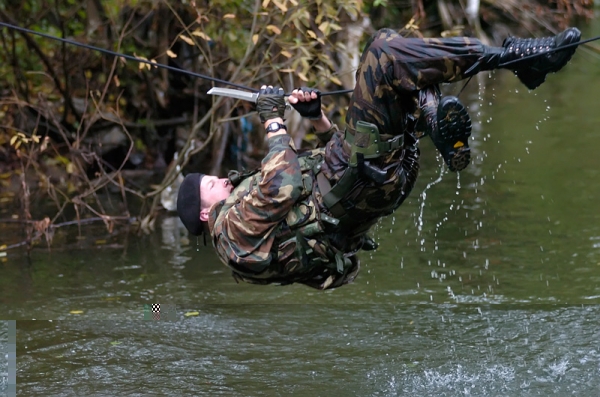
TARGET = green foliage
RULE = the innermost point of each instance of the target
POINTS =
(65, 91)
(274, 39)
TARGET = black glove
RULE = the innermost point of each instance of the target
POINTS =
(270, 103)
(311, 109)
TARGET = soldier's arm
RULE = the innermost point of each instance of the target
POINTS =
(307, 102)
(278, 189)
(245, 231)
(280, 184)
(324, 128)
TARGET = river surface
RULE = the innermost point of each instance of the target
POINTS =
(486, 284)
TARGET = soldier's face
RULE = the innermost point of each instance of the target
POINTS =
(213, 189)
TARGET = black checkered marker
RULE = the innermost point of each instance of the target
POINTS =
(156, 311)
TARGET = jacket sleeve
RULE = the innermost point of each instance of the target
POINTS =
(279, 187)
(325, 136)
(245, 230)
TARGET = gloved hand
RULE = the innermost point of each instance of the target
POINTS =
(270, 103)
(310, 109)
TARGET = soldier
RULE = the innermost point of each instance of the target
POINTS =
(302, 217)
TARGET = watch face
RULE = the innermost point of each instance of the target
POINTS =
(275, 126)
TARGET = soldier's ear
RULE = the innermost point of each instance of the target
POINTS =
(204, 214)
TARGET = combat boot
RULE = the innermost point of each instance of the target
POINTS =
(532, 71)
(451, 137)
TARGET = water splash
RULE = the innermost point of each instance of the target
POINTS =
(423, 196)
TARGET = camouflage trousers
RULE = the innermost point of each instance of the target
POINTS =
(396, 78)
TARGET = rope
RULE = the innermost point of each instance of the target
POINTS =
(132, 58)
(224, 82)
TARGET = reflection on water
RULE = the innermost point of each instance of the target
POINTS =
(484, 285)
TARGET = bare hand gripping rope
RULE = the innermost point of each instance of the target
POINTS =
(248, 96)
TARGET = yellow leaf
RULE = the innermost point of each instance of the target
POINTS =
(189, 314)
(186, 39)
(294, 2)
(3, 247)
(288, 70)
(13, 140)
(70, 168)
(229, 16)
(280, 5)
(201, 34)
(302, 76)
(62, 159)
(35, 138)
(324, 27)
(99, 242)
(255, 38)
(265, 3)
(274, 29)
(171, 54)
(286, 54)
(311, 34)
(71, 187)
(335, 80)
(76, 312)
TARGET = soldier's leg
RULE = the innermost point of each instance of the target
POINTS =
(392, 66)
(427, 101)
(448, 124)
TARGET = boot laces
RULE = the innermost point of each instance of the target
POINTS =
(524, 47)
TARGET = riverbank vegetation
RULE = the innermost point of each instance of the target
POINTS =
(88, 137)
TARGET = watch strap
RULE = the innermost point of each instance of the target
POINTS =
(275, 126)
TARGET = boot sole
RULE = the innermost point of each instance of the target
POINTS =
(454, 130)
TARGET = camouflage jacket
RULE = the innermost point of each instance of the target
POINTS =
(269, 230)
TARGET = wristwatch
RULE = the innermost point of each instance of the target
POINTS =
(275, 126)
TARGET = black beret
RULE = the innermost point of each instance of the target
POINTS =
(188, 204)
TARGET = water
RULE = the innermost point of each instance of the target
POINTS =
(485, 286)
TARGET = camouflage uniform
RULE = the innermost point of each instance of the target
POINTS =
(397, 77)
(271, 227)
